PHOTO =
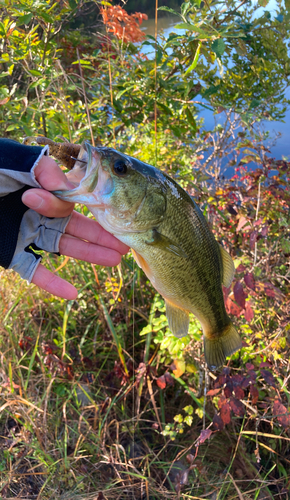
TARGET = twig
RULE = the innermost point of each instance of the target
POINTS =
(256, 218)
(85, 97)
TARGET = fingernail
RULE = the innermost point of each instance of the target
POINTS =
(32, 200)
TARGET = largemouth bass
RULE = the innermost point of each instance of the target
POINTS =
(170, 239)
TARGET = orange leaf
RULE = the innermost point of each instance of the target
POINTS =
(4, 101)
(179, 369)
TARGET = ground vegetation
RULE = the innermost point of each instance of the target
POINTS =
(98, 400)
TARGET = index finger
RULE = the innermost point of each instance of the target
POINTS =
(50, 175)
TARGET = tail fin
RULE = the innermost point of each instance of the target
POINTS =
(217, 349)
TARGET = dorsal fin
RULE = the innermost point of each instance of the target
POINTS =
(228, 267)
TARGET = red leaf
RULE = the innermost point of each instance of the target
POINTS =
(228, 391)
(282, 414)
(213, 392)
(270, 290)
(237, 379)
(242, 222)
(226, 413)
(168, 379)
(222, 400)
(226, 292)
(250, 281)
(233, 308)
(250, 366)
(265, 364)
(245, 383)
(254, 394)
(240, 296)
(258, 222)
(241, 268)
(161, 382)
(252, 375)
(249, 313)
(253, 239)
(25, 344)
(237, 407)
(268, 377)
(217, 423)
(239, 393)
(220, 381)
(204, 435)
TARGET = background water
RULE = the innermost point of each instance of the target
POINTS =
(280, 129)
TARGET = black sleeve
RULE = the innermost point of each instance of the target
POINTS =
(16, 156)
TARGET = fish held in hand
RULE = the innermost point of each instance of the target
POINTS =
(170, 239)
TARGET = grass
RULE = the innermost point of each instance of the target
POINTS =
(81, 412)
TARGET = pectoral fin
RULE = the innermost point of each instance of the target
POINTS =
(164, 243)
(178, 319)
(228, 267)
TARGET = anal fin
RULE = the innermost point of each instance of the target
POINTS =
(178, 319)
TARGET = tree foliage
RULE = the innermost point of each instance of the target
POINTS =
(93, 373)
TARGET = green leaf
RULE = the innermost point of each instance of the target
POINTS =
(2, 29)
(255, 103)
(167, 9)
(185, 7)
(190, 118)
(175, 130)
(165, 108)
(194, 62)
(121, 92)
(73, 4)
(36, 84)
(285, 244)
(158, 55)
(83, 62)
(24, 19)
(280, 18)
(11, 127)
(47, 18)
(35, 72)
(191, 27)
(218, 46)
(263, 3)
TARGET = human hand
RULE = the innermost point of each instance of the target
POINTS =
(83, 239)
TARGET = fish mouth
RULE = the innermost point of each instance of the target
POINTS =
(86, 175)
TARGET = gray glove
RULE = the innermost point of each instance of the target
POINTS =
(22, 229)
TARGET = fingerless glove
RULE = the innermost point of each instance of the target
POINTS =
(22, 230)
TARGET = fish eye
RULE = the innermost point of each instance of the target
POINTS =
(120, 167)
